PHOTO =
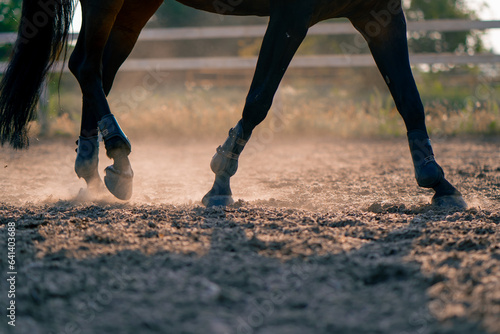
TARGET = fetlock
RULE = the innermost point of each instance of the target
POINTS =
(115, 140)
(427, 171)
(87, 158)
(225, 161)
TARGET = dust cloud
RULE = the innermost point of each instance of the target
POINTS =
(313, 173)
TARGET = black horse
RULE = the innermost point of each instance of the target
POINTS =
(109, 32)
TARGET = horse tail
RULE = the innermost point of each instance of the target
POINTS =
(41, 40)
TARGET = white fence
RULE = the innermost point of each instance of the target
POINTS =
(347, 60)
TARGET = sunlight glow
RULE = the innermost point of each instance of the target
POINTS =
(77, 19)
(490, 12)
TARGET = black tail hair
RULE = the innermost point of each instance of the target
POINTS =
(42, 36)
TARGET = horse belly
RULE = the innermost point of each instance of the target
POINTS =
(231, 7)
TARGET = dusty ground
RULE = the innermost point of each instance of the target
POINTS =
(329, 237)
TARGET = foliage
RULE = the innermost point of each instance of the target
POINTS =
(465, 41)
(10, 12)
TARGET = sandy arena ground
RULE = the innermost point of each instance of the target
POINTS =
(328, 236)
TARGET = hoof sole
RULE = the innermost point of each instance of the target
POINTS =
(210, 201)
(118, 184)
(451, 201)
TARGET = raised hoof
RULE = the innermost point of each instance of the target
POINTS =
(217, 200)
(119, 183)
(450, 201)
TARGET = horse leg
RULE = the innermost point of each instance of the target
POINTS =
(386, 37)
(87, 157)
(126, 29)
(86, 64)
(129, 22)
(288, 26)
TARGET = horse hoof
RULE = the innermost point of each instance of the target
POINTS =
(119, 183)
(450, 201)
(217, 200)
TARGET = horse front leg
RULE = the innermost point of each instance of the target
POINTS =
(389, 47)
(288, 26)
(86, 65)
(87, 152)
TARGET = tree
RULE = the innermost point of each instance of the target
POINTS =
(464, 41)
(10, 13)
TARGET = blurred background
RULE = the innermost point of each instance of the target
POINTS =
(187, 88)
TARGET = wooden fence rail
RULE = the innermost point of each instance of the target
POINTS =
(234, 63)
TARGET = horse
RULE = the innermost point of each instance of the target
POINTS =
(110, 29)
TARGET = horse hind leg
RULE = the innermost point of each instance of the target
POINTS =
(385, 33)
